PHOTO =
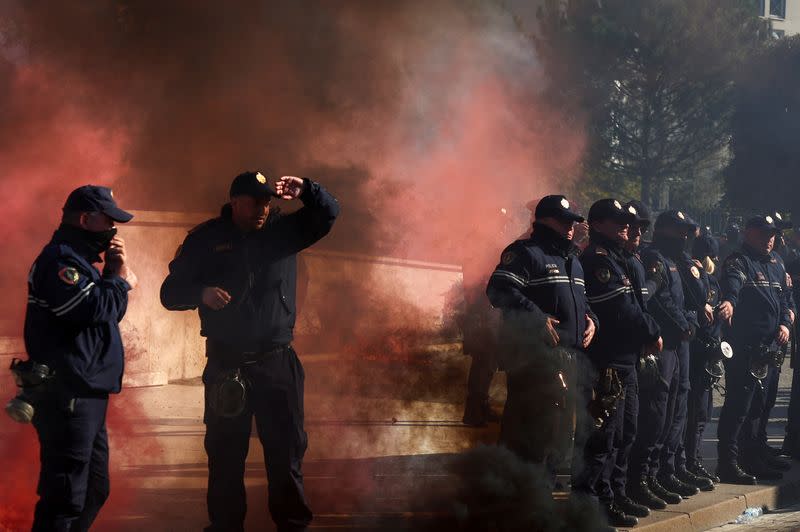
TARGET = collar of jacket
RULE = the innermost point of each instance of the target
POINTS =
(66, 234)
(755, 254)
(548, 238)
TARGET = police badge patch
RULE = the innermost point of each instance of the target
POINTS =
(508, 257)
(69, 275)
(603, 275)
(695, 272)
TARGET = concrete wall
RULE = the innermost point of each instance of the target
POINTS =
(163, 346)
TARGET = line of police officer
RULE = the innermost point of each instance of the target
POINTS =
(639, 337)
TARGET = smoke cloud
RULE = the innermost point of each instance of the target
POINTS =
(422, 117)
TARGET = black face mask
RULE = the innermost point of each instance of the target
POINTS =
(94, 242)
(672, 246)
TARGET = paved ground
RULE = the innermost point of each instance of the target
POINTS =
(383, 437)
(782, 520)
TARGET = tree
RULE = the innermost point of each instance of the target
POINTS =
(651, 82)
(763, 175)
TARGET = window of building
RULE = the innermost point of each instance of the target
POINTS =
(761, 7)
(777, 8)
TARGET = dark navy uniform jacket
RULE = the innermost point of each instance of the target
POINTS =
(258, 269)
(668, 303)
(755, 284)
(612, 293)
(643, 288)
(539, 275)
(72, 318)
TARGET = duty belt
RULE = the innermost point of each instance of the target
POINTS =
(238, 355)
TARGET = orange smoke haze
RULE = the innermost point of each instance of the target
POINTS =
(422, 117)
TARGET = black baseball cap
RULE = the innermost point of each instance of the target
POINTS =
(763, 223)
(556, 206)
(674, 218)
(641, 215)
(704, 246)
(252, 184)
(92, 198)
(780, 222)
(609, 208)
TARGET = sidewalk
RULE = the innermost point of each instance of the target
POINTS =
(381, 437)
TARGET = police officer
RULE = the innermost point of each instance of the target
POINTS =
(539, 286)
(754, 428)
(658, 426)
(731, 242)
(638, 228)
(791, 443)
(72, 327)
(612, 292)
(705, 355)
(752, 285)
(239, 270)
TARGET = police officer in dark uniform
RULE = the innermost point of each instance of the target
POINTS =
(658, 426)
(791, 443)
(754, 428)
(72, 328)
(706, 354)
(240, 271)
(546, 324)
(732, 241)
(752, 285)
(699, 311)
(612, 292)
(638, 228)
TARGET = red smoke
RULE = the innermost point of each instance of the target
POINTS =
(422, 117)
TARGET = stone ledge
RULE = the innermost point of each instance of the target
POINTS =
(723, 505)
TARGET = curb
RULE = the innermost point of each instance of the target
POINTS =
(723, 505)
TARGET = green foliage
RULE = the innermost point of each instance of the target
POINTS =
(765, 172)
(652, 84)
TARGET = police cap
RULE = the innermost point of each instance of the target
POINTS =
(763, 223)
(704, 246)
(780, 222)
(556, 206)
(609, 208)
(253, 184)
(92, 198)
(639, 211)
(674, 218)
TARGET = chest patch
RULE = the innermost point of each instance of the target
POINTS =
(69, 275)
(673, 269)
(603, 275)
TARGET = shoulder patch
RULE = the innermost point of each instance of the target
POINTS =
(508, 257)
(695, 272)
(603, 275)
(69, 275)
